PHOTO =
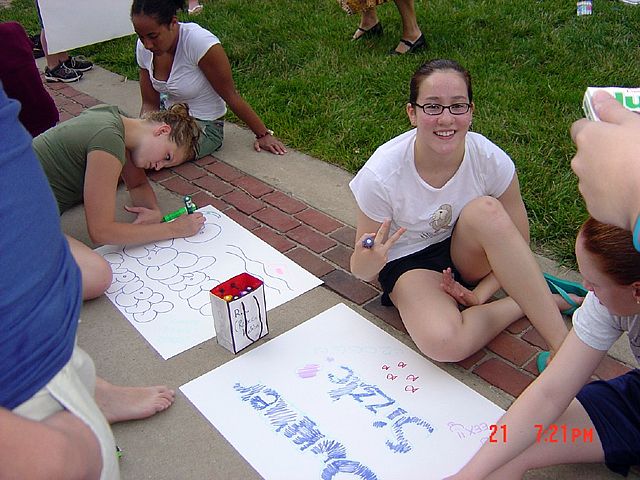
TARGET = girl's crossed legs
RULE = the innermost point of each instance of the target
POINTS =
(484, 241)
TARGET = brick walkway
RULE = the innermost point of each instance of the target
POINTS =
(323, 245)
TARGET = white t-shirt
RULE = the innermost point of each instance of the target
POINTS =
(389, 186)
(186, 82)
(599, 329)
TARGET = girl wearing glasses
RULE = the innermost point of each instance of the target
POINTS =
(449, 226)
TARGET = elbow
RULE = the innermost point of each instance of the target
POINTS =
(100, 235)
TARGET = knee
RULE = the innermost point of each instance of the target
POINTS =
(486, 213)
(442, 343)
(98, 278)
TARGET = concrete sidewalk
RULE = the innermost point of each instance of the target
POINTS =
(302, 207)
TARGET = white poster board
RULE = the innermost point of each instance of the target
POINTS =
(162, 288)
(337, 395)
(75, 23)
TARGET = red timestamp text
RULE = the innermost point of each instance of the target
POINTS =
(498, 433)
(553, 434)
(563, 434)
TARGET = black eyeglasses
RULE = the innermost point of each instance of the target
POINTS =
(437, 109)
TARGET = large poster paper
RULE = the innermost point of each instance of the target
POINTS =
(75, 23)
(163, 288)
(337, 395)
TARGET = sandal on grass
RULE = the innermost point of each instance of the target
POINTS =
(542, 361)
(421, 42)
(564, 288)
(374, 31)
(195, 10)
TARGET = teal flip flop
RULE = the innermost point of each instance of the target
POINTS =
(542, 361)
(564, 288)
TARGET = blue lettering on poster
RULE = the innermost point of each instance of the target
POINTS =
(376, 401)
(303, 432)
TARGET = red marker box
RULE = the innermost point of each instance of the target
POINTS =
(239, 312)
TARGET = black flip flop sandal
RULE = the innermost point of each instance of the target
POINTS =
(374, 31)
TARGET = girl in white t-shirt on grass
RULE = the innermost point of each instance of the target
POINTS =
(187, 64)
(440, 198)
(557, 419)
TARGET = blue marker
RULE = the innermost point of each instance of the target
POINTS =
(367, 242)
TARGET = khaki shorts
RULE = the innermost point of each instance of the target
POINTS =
(72, 389)
(210, 137)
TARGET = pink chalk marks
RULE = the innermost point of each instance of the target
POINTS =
(276, 269)
(308, 371)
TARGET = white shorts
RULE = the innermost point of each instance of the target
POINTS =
(72, 389)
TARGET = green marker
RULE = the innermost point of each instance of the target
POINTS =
(189, 207)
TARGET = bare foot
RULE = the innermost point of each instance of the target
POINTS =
(461, 294)
(563, 304)
(119, 404)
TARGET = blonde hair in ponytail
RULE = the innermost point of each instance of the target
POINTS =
(184, 129)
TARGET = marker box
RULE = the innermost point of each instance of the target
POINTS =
(239, 312)
(627, 97)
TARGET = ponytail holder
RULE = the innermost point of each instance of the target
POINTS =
(636, 235)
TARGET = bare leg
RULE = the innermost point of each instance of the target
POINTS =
(96, 272)
(585, 449)
(410, 29)
(435, 324)
(439, 329)
(485, 239)
(368, 19)
(53, 59)
(468, 298)
(119, 404)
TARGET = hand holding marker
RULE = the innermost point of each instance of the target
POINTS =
(189, 208)
(381, 237)
(368, 242)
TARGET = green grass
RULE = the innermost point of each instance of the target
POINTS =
(337, 100)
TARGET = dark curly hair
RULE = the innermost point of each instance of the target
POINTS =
(162, 10)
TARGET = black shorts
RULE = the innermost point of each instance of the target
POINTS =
(614, 408)
(436, 257)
